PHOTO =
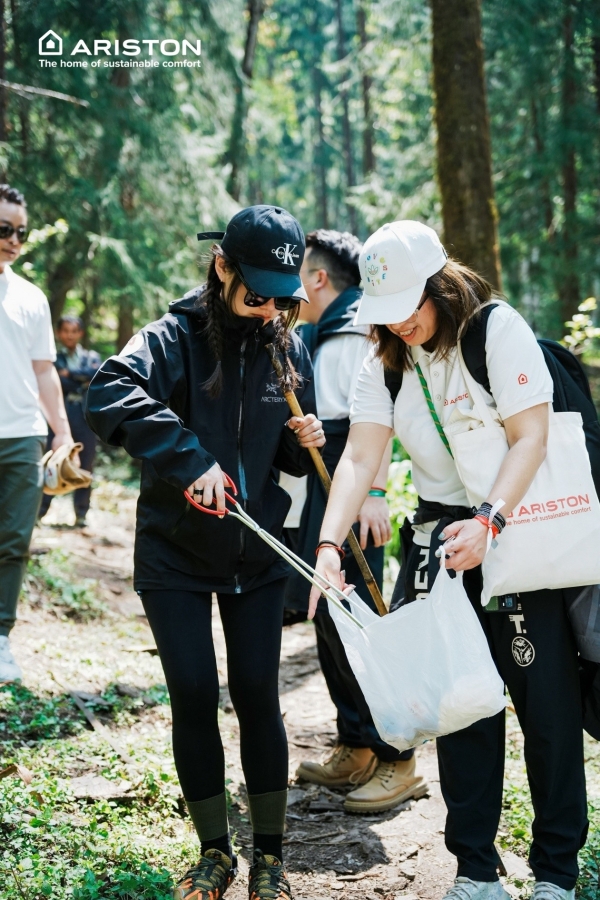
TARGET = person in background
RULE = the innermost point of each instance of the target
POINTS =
(383, 777)
(30, 396)
(76, 367)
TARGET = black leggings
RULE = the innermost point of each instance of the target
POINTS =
(181, 624)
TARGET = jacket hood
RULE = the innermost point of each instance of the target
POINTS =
(187, 303)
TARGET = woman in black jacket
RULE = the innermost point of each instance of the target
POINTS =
(194, 395)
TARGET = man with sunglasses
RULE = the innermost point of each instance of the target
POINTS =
(30, 396)
(383, 777)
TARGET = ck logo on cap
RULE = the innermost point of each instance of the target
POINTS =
(286, 254)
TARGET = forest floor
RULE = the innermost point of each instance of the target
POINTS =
(103, 816)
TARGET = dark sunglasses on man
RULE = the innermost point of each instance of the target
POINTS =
(7, 231)
(283, 304)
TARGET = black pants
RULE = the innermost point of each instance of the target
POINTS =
(81, 432)
(536, 656)
(354, 721)
(181, 624)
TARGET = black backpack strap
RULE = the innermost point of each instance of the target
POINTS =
(393, 382)
(473, 346)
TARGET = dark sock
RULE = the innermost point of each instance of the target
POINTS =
(270, 844)
(221, 843)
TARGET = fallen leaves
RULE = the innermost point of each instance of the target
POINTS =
(20, 771)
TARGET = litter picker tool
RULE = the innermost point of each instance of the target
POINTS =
(330, 591)
(323, 474)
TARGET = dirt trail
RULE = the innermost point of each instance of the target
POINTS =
(329, 853)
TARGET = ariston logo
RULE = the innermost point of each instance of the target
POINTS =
(51, 44)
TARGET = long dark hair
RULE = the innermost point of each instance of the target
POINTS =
(458, 293)
(218, 303)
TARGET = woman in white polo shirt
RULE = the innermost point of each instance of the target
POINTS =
(420, 304)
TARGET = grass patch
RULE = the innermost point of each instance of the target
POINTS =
(25, 716)
(55, 845)
(48, 583)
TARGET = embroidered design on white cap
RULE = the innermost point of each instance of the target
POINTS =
(395, 263)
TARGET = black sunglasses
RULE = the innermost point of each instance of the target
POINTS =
(21, 232)
(252, 299)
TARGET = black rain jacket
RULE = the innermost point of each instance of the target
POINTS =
(150, 400)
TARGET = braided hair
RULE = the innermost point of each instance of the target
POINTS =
(217, 301)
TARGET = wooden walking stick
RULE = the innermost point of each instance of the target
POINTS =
(317, 459)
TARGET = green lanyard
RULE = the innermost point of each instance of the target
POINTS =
(434, 415)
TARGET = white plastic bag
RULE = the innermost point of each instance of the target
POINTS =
(425, 669)
(553, 535)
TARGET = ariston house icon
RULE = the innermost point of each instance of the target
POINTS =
(50, 44)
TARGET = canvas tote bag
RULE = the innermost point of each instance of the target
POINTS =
(552, 537)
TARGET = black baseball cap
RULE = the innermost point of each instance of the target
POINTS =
(267, 244)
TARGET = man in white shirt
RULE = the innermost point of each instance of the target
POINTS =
(30, 396)
(383, 777)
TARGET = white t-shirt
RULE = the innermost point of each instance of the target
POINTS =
(337, 365)
(519, 379)
(25, 335)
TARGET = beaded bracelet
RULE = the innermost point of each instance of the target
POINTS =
(333, 546)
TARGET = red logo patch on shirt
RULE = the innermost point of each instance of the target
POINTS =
(522, 379)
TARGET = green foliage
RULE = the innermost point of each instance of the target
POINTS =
(27, 717)
(581, 332)
(402, 501)
(48, 581)
(58, 847)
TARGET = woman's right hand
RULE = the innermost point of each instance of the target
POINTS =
(210, 485)
(329, 566)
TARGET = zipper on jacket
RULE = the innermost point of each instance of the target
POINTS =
(241, 470)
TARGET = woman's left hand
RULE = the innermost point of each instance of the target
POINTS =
(308, 430)
(468, 544)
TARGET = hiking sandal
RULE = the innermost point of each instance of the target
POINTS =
(209, 879)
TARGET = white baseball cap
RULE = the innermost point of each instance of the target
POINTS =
(395, 262)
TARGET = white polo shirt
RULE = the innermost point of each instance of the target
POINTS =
(337, 365)
(25, 335)
(519, 379)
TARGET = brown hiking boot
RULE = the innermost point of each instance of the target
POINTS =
(344, 765)
(390, 785)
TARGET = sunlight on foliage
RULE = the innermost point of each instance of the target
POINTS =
(581, 330)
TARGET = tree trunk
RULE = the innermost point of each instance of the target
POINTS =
(2, 72)
(321, 155)
(23, 109)
(236, 152)
(60, 281)
(346, 129)
(596, 51)
(366, 85)
(125, 323)
(546, 199)
(569, 289)
(463, 137)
